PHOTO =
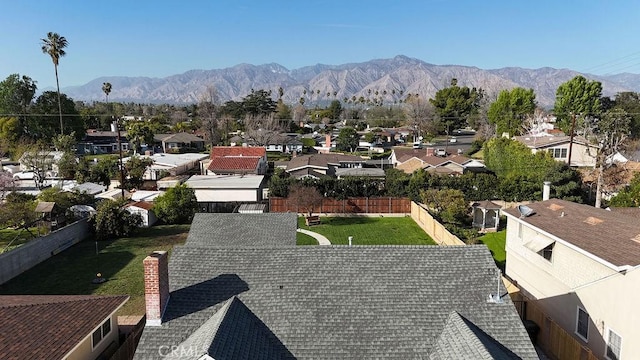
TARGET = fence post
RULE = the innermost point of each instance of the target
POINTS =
(389, 210)
(366, 206)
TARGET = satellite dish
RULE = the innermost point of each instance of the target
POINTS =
(525, 211)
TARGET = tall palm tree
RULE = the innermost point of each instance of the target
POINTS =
(54, 45)
(106, 89)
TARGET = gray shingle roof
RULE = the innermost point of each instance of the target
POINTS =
(243, 230)
(461, 339)
(340, 302)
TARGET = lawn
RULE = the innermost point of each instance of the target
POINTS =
(119, 261)
(304, 239)
(370, 230)
(15, 237)
(496, 243)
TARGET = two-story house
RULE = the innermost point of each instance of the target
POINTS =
(581, 266)
(583, 153)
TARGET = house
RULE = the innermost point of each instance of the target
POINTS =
(410, 160)
(583, 153)
(171, 164)
(215, 192)
(145, 210)
(265, 298)
(113, 194)
(102, 142)
(285, 144)
(320, 165)
(581, 266)
(227, 160)
(171, 181)
(145, 195)
(80, 327)
(180, 142)
(88, 188)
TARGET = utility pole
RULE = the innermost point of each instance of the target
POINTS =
(573, 126)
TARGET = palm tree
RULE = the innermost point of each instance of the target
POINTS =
(106, 89)
(54, 45)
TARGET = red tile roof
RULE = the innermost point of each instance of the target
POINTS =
(49, 326)
(220, 164)
(222, 151)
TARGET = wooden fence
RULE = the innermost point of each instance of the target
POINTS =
(128, 347)
(381, 205)
(432, 227)
(554, 340)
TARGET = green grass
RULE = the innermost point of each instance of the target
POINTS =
(304, 239)
(15, 237)
(119, 261)
(478, 155)
(370, 230)
(496, 243)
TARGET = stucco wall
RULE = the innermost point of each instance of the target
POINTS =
(18, 260)
(84, 351)
(211, 195)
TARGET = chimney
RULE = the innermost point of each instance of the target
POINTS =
(546, 190)
(156, 286)
(429, 151)
(327, 141)
(114, 127)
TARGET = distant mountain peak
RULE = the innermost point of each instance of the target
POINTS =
(389, 77)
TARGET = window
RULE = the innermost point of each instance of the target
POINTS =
(100, 333)
(614, 345)
(560, 153)
(582, 324)
(547, 252)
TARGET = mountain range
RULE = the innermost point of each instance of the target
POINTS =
(391, 78)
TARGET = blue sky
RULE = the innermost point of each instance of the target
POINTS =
(161, 38)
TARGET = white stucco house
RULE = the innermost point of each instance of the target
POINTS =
(581, 266)
(145, 210)
(171, 164)
(583, 153)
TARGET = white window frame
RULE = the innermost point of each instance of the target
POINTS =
(102, 334)
(578, 309)
(606, 348)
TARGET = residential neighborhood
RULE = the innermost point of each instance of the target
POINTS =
(376, 209)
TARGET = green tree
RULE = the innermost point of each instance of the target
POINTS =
(511, 108)
(448, 204)
(17, 210)
(106, 89)
(348, 139)
(43, 126)
(335, 109)
(139, 132)
(629, 196)
(279, 183)
(577, 97)
(54, 46)
(9, 129)
(455, 105)
(396, 182)
(630, 102)
(177, 205)
(112, 220)
(16, 94)
(65, 199)
(134, 170)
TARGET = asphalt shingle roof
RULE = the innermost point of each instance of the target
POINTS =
(49, 326)
(339, 302)
(243, 230)
(609, 235)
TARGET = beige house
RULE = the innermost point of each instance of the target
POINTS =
(580, 265)
(69, 327)
(583, 153)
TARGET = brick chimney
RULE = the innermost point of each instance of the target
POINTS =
(327, 141)
(430, 151)
(156, 286)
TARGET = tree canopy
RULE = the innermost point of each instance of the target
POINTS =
(579, 97)
(455, 105)
(177, 205)
(510, 109)
(348, 139)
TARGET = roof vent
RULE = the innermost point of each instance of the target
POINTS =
(593, 220)
(525, 211)
(555, 207)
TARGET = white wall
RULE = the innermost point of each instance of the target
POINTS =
(228, 195)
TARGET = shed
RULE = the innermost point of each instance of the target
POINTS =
(486, 216)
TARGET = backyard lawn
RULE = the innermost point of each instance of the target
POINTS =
(496, 243)
(119, 261)
(304, 239)
(370, 230)
(10, 238)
